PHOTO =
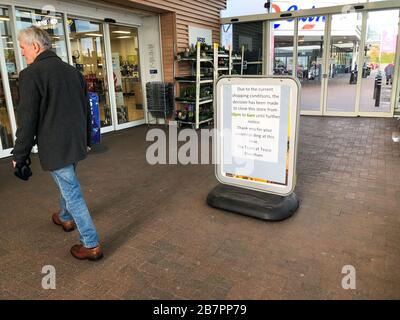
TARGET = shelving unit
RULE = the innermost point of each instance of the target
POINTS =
(226, 57)
(239, 61)
(212, 58)
(197, 101)
(230, 61)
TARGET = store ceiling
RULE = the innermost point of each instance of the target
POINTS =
(124, 4)
(146, 10)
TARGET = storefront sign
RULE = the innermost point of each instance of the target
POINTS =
(199, 35)
(236, 7)
(257, 123)
(312, 23)
(152, 61)
(11, 68)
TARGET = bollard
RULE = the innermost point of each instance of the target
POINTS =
(353, 77)
(377, 78)
(378, 92)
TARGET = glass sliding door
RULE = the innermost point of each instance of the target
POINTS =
(126, 74)
(281, 47)
(88, 56)
(397, 103)
(248, 38)
(309, 67)
(53, 23)
(379, 61)
(10, 72)
(344, 51)
(6, 139)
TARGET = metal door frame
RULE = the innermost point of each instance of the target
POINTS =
(7, 90)
(116, 126)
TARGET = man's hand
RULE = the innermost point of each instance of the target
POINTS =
(14, 163)
(88, 149)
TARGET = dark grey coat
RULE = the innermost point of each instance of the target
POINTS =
(53, 112)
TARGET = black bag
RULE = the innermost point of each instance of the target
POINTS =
(23, 170)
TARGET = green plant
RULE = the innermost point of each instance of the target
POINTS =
(188, 92)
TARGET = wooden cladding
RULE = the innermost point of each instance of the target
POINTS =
(168, 36)
(199, 13)
(175, 18)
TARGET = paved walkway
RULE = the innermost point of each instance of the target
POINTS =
(162, 241)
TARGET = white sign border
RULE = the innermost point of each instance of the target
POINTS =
(294, 112)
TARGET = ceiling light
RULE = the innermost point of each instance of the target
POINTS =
(123, 32)
(124, 37)
(93, 34)
(45, 15)
(4, 19)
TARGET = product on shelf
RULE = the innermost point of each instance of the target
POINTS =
(186, 114)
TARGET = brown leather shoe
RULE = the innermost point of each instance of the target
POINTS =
(82, 253)
(68, 226)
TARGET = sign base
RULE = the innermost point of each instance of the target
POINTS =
(253, 203)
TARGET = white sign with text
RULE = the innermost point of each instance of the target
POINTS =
(199, 35)
(256, 124)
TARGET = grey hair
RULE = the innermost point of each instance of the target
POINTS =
(35, 34)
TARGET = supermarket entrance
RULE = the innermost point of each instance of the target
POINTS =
(115, 55)
(346, 57)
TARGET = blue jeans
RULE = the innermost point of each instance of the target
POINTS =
(73, 206)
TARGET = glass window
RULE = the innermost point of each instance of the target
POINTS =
(51, 22)
(88, 56)
(126, 68)
(9, 56)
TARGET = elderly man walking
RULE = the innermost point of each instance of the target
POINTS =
(54, 112)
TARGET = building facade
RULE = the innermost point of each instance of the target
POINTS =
(119, 46)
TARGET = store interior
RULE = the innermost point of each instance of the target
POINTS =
(88, 56)
(126, 67)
